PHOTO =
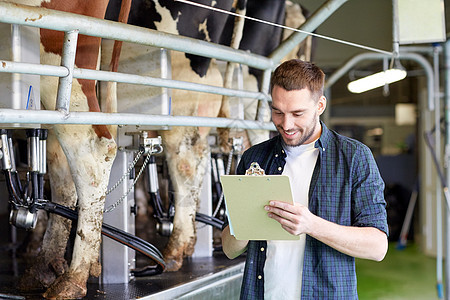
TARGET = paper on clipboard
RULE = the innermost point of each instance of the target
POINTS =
(245, 197)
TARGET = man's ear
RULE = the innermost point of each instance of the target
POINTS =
(321, 105)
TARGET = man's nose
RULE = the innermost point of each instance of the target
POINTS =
(287, 123)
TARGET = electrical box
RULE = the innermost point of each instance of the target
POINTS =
(19, 91)
(118, 260)
(421, 21)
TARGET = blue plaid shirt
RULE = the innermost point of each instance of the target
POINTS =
(346, 188)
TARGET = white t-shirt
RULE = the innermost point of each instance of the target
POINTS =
(284, 259)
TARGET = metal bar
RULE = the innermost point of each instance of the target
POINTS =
(419, 49)
(319, 16)
(97, 118)
(33, 69)
(48, 70)
(447, 160)
(67, 61)
(439, 185)
(395, 28)
(166, 73)
(16, 55)
(161, 82)
(378, 56)
(264, 105)
(51, 19)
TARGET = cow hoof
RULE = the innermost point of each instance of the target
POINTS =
(30, 283)
(40, 276)
(36, 279)
(66, 287)
(173, 264)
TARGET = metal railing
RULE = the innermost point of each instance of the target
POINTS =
(73, 24)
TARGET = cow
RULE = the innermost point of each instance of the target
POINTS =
(79, 163)
(80, 157)
(186, 148)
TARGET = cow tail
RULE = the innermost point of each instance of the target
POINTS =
(224, 111)
(111, 89)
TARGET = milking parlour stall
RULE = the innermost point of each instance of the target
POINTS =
(117, 120)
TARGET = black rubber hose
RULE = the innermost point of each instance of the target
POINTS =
(17, 184)
(209, 220)
(13, 193)
(155, 197)
(35, 188)
(156, 203)
(41, 186)
(147, 271)
(116, 234)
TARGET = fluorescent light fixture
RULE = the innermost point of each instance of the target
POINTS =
(376, 80)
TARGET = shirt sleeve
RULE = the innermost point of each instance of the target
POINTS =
(369, 205)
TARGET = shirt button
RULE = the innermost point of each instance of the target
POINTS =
(280, 168)
(259, 277)
(282, 151)
(323, 149)
(262, 249)
(276, 155)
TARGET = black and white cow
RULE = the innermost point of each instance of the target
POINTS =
(186, 148)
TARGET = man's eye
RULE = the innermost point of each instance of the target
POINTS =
(298, 115)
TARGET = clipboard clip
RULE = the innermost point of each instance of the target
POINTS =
(255, 170)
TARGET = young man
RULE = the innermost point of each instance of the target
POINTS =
(339, 207)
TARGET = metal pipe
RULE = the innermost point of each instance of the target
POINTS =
(51, 19)
(16, 55)
(68, 61)
(161, 82)
(43, 135)
(420, 49)
(6, 158)
(33, 69)
(395, 24)
(48, 70)
(166, 73)
(447, 160)
(264, 104)
(437, 149)
(378, 56)
(310, 25)
(11, 151)
(96, 118)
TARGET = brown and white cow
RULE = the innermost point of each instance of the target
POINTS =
(88, 151)
(79, 159)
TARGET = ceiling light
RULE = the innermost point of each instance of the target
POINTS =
(376, 80)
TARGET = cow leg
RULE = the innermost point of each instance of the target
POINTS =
(187, 157)
(187, 154)
(90, 159)
(50, 262)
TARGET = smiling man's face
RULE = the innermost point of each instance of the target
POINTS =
(295, 114)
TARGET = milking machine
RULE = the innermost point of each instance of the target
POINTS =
(25, 198)
(218, 169)
(164, 216)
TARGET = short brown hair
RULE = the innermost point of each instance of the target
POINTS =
(296, 74)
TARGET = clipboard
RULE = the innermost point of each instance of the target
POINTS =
(245, 197)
